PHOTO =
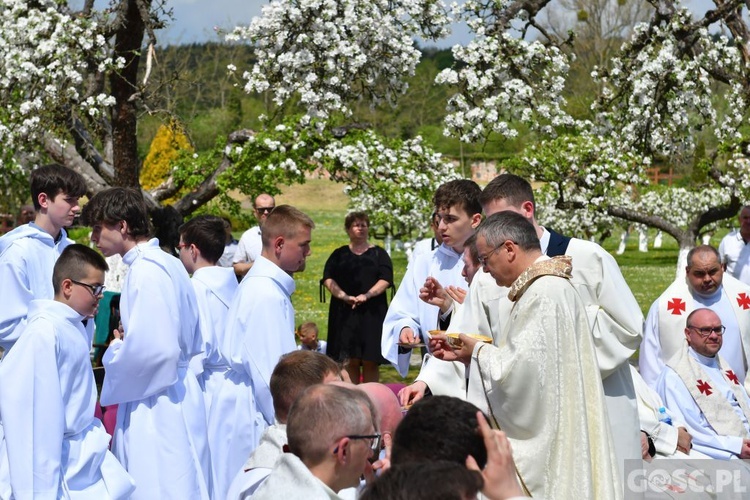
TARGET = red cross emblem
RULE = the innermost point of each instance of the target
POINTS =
(743, 301)
(731, 376)
(677, 306)
(704, 387)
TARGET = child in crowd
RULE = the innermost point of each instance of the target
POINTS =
(308, 337)
(53, 446)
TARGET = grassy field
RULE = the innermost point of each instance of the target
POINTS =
(648, 274)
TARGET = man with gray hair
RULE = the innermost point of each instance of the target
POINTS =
(542, 385)
(332, 433)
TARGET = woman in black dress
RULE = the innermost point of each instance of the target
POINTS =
(357, 275)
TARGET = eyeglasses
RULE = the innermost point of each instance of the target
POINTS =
(374, 444)
(96, 290)
(182, 245)
(705, 331)
(484, 258)
(264, 210)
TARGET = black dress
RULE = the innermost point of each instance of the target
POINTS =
(355, 333)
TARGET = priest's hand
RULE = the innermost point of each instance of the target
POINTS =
(499, 473)
(745, 453)
(412, 393)
(407, 336)
(434, 294)
(441, 349)
(684, 440)
(458, 294)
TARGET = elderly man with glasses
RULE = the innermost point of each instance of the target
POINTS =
(705, 285)
(705, 393)
(250, 245)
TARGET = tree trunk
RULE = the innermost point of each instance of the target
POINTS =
(128, 39)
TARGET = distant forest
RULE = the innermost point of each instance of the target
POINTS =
(191, 83)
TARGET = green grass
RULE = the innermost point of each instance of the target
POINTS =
(647, 274)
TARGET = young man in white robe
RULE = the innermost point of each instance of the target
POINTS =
(160, 435)
(705, 285)
(53, 446)
(542, 386)
(294, 373)
(705, 393)
(615, 318)
(200, 248)
(28, 253)
(260, 329)
(410, 319)
(332, 432)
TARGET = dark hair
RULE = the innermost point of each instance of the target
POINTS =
(462, 193)
(295, 372)
(284, 220)
(54, 179)
(507, 225)
(207, 233)
(701, 249)
(471, 244)
(441, 480)
(511, 188)
(117, 204)
(74, 262)
(439, 428)
(352, 217)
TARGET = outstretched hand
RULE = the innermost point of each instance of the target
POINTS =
(434, 294)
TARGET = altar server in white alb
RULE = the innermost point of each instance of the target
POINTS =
(260, 329)
(28, 253)
(200, 247)
(409, 319)
(53, 446)
(705, 285)
(160, 436)
(705, 393)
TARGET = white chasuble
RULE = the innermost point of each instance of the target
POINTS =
(544, 389)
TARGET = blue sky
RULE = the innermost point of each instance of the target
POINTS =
(196, 20)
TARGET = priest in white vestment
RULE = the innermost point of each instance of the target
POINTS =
(53, 445)
(542, 387)
(614, 316)
(260, 329)
(704, 391)
(705, 285)
(410, 319)
(160, 435)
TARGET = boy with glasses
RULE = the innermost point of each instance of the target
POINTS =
(53, 445)
(250, 245)
(28, 253)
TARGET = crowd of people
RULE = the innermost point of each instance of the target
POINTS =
(525, 389)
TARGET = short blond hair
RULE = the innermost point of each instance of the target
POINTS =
(284, 220)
